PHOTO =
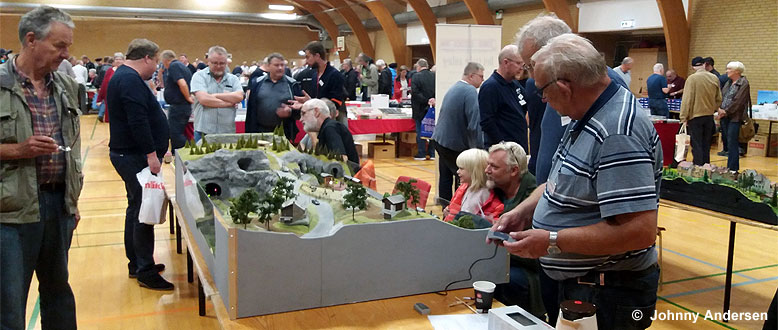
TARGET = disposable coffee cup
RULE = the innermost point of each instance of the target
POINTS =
(484, 293)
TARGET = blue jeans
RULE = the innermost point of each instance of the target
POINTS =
(101, 112)
(729, 137)
(177, 118)
(421, 144)
(616, 303)
(658, 107)
(41, 247)
(138, 237)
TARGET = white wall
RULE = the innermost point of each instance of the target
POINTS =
(607, 15)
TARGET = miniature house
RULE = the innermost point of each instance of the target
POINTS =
(327, 178)
(392, 205)
(292, 211)
(685, 168)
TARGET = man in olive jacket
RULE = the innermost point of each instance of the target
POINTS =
(41, 171)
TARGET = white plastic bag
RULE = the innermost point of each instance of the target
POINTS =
(681, 144)
(152, 207)
(193, 196)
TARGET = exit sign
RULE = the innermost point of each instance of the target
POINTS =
(627, 24)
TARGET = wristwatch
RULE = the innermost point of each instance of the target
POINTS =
(552, 247)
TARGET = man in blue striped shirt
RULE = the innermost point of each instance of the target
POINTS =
(595, 219)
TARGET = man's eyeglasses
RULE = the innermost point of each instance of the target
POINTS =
(539, 91)
(510, 148)
(527, 67)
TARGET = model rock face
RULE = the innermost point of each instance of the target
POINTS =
(234, 171)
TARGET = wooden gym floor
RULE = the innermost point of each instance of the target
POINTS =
(695, 253)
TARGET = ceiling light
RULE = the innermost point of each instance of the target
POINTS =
(280, 16)
(281, 7)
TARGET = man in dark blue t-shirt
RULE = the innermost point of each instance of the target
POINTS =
(177, 78)
(656, 84)
(501, 102)
(139, 139)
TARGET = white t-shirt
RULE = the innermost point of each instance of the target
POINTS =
(82, 74)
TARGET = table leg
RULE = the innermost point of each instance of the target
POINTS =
(730, 256)
(178, 236)
(397, 145)
(189, 267)
(769, 133)
(170, 217)
(200, 297)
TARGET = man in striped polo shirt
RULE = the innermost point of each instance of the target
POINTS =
(595, 218)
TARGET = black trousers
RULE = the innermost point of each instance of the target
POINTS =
(177, 118)
(700, 131)
(447, 166)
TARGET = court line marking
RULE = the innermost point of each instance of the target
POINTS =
(719, 274)
(704, 262)
(719, 287)
(34, 315)
(120, 243)
(691, 311)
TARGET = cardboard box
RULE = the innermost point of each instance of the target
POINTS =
(408, 149)
(757, 146)
(408, 137)
(359, 149)
(380, 150)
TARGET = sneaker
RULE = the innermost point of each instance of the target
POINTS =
(722, 153)
(158, 268)
(431, 158)
(155, 282)
(419, 157)
(100, 118)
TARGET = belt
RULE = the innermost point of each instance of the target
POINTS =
(613, 278)
(52, 187)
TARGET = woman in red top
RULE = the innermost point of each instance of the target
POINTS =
(472, 195)
(402, 85)
(118, 60)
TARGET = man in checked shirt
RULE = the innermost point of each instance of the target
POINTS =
(40, 176)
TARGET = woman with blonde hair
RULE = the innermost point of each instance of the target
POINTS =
(472, 195)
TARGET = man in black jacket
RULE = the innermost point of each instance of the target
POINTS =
(351, 78)
(139, 139)
(321, 80)
(422, 90)
(268, 100)
(384, 78)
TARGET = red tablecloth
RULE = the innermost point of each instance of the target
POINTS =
(380, 126)
(667, 132)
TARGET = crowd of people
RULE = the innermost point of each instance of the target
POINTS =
(581, 231)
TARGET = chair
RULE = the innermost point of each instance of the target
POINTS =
(423, 186)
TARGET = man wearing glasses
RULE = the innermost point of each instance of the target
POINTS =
(139, 139)
(501, 102)
(217, 93)
(41, 181)
(593, 231)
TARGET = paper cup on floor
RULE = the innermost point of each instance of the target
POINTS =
(484, 293)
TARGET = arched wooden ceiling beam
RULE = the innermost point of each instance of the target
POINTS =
(427, 18)
(390, 27)
(561, 9)
(354, 2)
(677, 35)
(356, 25)
(324, 19)
(480, 11)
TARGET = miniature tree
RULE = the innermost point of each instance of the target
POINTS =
(410, 192)
(286, 188)
(705, 176)
(386, 194)
(241, 206)
(231, 146)
(355, 198)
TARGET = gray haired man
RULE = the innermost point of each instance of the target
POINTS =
(217, 93)
(42, 179)
(593, 231)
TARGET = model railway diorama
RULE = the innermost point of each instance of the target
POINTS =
(747, 194)
(282, 229)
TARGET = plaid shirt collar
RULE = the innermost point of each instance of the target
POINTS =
(26, 81)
